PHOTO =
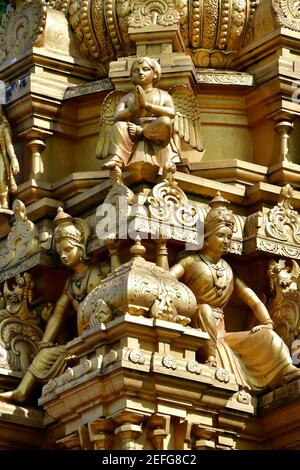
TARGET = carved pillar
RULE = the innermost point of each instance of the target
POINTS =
(36, 146)
(129, 434)
(162, 254)
(284, 127)
(101, 434)
(129, 430)
(159, 429)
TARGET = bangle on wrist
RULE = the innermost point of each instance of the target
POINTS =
(269, 321)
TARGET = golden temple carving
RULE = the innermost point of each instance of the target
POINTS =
(287, 13)
(133, 354)
(9, 165)
(212, 281)
(139, 288)
(70, 237)
(212, 32)
(22, 240)
(22, 27)
(284, 304)
(276, 230)
(137, 127)
(153, 12)
(20, 331)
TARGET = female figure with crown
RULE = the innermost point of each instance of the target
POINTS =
(70, 237)
(257, 358)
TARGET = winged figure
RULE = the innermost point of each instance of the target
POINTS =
(148, 124)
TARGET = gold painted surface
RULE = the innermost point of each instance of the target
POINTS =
(70, 237)
(284, 304)
(147, 124)
(9, 165)
(212, 281)
(276, 230)
(22, 240)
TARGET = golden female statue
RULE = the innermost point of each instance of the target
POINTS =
(259, 357)
(145, 125)
(9, 165)
(70, 236)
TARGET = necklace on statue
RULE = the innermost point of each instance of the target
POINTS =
(219, 274)
(79, 285)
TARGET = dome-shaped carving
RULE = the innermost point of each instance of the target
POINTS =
(212, 30)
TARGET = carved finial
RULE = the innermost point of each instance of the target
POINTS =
(285, 197)
(61, 216)
(19, 209)
(218, 201)
(138, 250)
(116, 175)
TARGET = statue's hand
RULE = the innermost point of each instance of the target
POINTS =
(141, 96)
(15, 166)
(260, 327)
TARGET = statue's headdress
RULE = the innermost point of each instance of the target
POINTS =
(72, 229)
(218, 216)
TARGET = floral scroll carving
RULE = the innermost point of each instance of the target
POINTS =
(275, 231)
(287, 13)
(19, 330)
(22, 27)
(212, 31)
(284, 306)
(153, 12)
(23, 239)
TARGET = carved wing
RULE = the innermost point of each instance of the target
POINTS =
(106, 121)
(295, 271)
(187, 122)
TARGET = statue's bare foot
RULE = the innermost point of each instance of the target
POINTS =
(13, 396)
(135, 132)
(113, 163)
(291, 373)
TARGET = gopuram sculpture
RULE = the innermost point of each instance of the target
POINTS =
(257, 358)
(146, 125)
(284, 305)
(9, 165)
(70, 237)
(130, 354)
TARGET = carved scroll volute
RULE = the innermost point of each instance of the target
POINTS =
(275, 230)
(22, 27)
(23, 239)
(287, 13)
(19, 330)
(284, 305)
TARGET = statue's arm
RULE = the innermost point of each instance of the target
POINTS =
(177, 270)
(57, 318)
(123, 111)
(168, 108)
(11, 152)
(252, 300)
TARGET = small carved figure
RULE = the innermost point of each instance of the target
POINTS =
(23, 239)
(70, 237)
(9, 165)
(146, 125)
(259, 357)
(284, 305)
(19, 324)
